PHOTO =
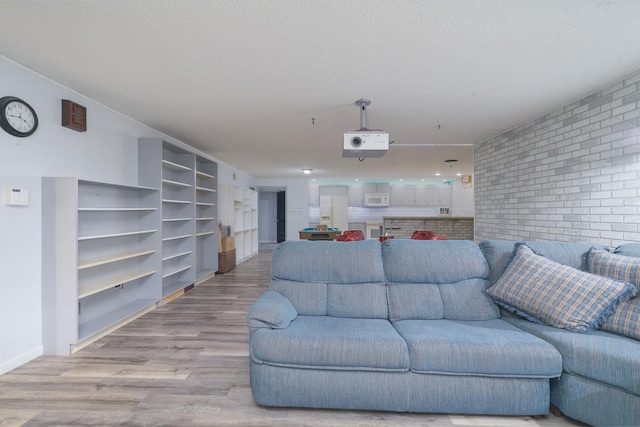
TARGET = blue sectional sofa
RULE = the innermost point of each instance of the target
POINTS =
(408, 325)
(600, 382)
(402, 326)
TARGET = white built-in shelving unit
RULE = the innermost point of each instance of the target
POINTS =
(206, 218)
(239, 209)
(253, 197)
(100, 259)
(113, 252)
(188, 209)
(178, 213)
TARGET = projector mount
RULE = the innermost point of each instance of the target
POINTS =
(363, 104)
(365, 142)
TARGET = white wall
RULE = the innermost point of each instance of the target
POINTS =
(20, 306)
(462, 199)
(107, 151)
(230, 175)
(297, 203)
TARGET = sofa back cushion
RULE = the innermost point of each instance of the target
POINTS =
(331, 278)
(436, 279)
(628, 249)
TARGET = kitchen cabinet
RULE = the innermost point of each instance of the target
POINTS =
(402, 196)
(376, 187)
(356, 196)
(439, 196)
(420, 196)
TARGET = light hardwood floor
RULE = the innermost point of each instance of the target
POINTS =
(184, 364)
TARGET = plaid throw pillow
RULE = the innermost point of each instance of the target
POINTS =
(626, 319)
(556, 294)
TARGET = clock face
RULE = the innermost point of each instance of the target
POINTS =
(17, 117)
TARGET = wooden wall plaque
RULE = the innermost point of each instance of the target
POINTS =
(74, 116)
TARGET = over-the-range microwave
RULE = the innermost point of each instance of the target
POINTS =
(376, 199)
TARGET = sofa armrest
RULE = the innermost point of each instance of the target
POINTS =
(271, 310)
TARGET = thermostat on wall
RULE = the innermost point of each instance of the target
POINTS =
(16, 197)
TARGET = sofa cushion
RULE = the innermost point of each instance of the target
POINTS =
(559, 295)
(436, 279)
(600, 356)
(466, 300)
(491, 348)
(626, 319)
(628, 249)
(366, 300)
(414, 301)
(328, 262)
(271, 310)
(331, 278)
(309, 299)
(462, 300)
(322, 342)
(430, 261)
(620, 267)
(499, 252)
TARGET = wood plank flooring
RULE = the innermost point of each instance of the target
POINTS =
(184, 364)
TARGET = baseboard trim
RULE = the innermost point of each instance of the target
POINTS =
(17, 361)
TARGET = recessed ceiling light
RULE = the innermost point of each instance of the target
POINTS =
(438, 174)
(307, 171)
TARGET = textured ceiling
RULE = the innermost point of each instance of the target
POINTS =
(269, 87)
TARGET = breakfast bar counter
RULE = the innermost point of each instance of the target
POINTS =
(452, 227)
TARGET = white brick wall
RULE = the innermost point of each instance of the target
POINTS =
(570, 175)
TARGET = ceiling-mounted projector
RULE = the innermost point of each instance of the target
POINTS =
(365, 142)
(372, 143)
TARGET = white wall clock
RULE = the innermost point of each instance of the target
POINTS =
(17, 117)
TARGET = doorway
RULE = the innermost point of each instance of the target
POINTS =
(281, 218)
(271, 215)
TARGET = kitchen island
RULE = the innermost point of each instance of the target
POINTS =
(452, 227)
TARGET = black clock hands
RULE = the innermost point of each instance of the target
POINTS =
(19, 116)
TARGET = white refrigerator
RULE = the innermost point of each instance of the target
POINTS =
(334, 212)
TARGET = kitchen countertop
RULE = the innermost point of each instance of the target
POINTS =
(442, 218)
